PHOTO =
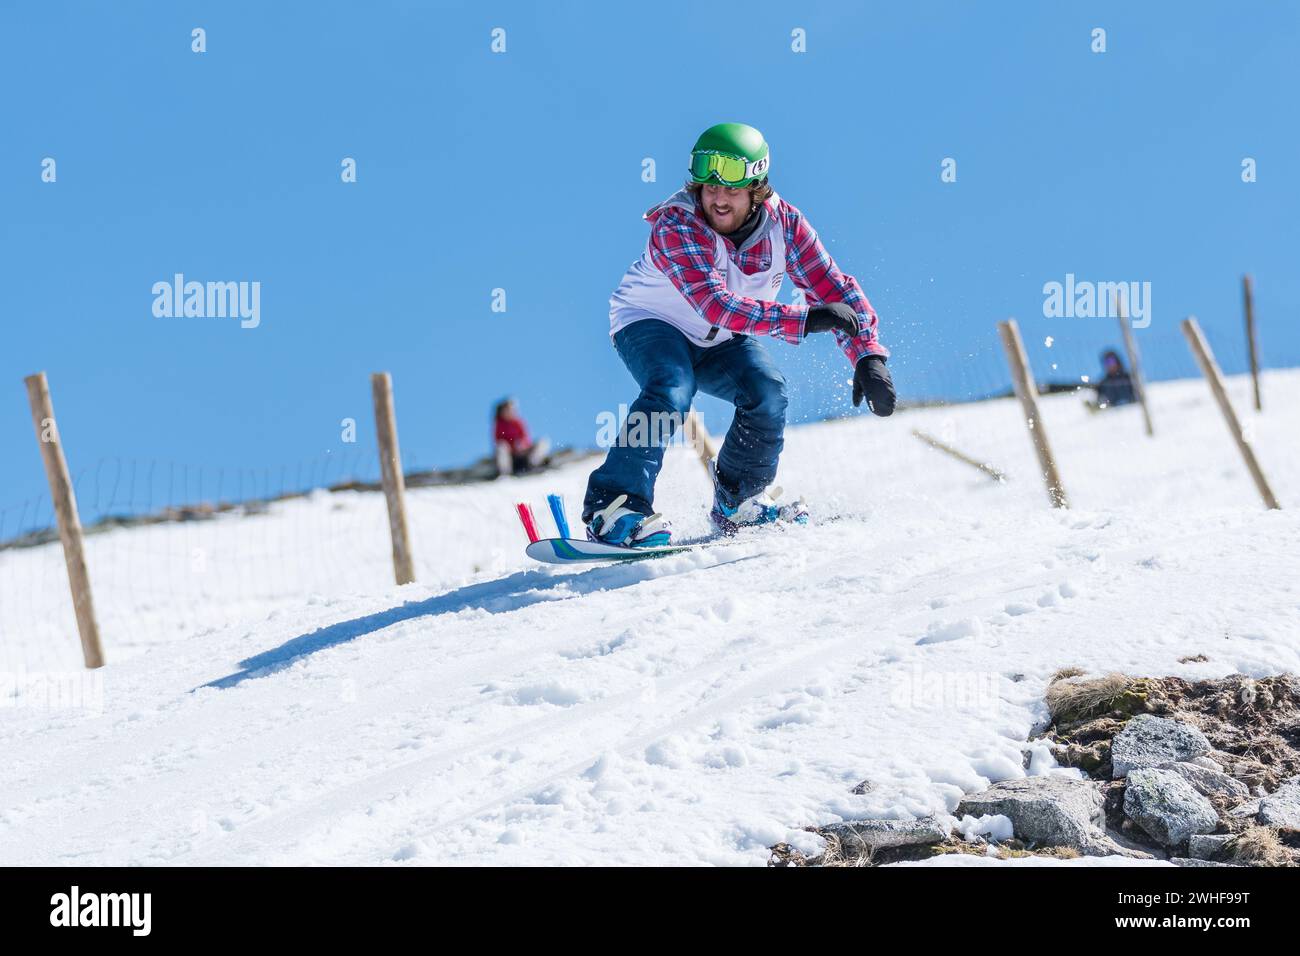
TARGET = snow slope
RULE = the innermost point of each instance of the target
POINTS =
(272, 698)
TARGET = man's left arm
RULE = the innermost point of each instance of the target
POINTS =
(812, 269)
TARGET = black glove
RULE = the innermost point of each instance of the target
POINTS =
(871, 381)
(832, 315)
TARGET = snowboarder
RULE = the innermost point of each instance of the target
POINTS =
(516, 452)
(687, 317)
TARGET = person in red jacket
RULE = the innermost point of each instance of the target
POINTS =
(516, 451)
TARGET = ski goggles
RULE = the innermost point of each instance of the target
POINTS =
(729, 170)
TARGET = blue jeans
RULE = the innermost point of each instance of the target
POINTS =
(670, 369)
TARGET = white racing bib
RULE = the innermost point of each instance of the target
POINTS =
(646, 293)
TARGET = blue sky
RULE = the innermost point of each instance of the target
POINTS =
(522, 171)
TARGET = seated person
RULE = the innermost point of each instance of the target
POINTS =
(1116, 386)
(516, 452)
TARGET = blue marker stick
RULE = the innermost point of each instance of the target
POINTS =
(557, 512)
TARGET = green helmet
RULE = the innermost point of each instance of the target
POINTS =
(732, 154)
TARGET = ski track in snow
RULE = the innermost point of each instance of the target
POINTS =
(693, 709)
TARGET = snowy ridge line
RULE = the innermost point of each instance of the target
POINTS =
(401, 780)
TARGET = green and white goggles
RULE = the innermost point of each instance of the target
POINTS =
(733, 171)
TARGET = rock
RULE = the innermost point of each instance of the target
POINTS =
(1210, 783)
(864, 837)
(1250, 772)
(1052, 810)
(1167, 807)
(1149, 741)
(1123, 845)
(1208, 763)
(1280, 814)
(1206, 846)
(1185, 861)
(1282, 807)
(1248, 809)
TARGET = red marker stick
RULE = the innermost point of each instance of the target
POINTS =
(529, 522)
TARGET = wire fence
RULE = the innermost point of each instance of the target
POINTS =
(1068, 357)
(180, 547)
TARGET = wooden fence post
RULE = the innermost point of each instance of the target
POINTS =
(1248, 294)
(1027, 392)
(390, 465)
(65, 510)
(700, 438)
(1134, 363)
(1210, 369)
(960, 456)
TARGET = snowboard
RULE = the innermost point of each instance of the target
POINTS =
(570, 550)
(577, 551)
(567, 549)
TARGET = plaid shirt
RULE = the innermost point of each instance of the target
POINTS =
(682, 247)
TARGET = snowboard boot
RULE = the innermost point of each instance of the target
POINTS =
(759, 509)
(616, 524)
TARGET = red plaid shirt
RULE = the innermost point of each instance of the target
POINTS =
(682, 246)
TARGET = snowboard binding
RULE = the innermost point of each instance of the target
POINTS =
(759, 509)
(617, 524)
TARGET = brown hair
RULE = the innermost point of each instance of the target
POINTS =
(759, 192)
